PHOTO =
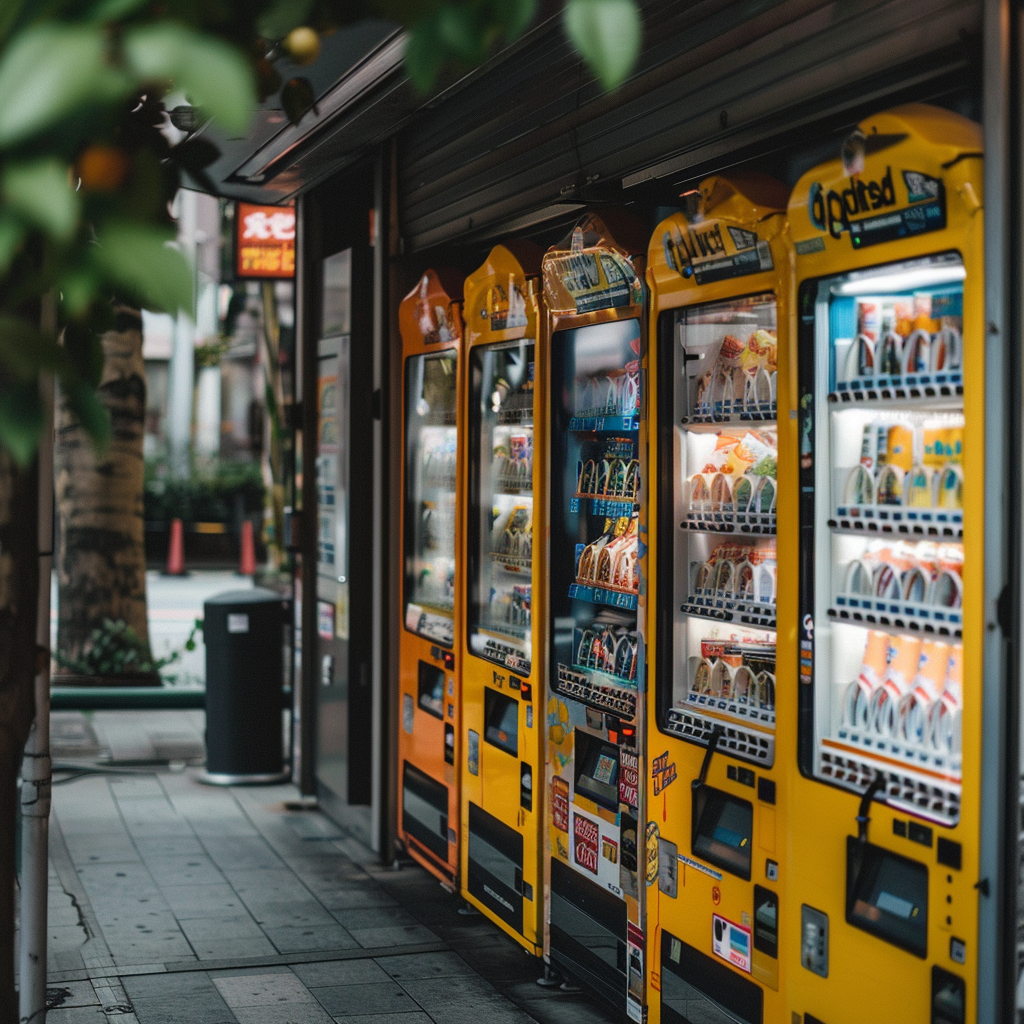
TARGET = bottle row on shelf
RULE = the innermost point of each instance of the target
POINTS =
(743, 380)
(608, 648)
(513, 544)
(513, 463)
(610, 562)
(905, 335)
(920, 585)
(908, 692)
(737, 572)
(736, 677)
(614, 394)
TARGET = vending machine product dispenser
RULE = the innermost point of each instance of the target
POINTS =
(595, 867)
(723, 563)
(428, 806)
(884, 848)
(502, 645)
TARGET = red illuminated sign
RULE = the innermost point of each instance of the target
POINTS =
(265, 241)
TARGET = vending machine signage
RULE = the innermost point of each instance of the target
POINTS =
(724, 569)
(501, 493)
(596, 598)
(431, 330)
(888, 239)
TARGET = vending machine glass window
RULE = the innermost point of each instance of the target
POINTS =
(595, 481)
(430, 495)
(882, 545)
(501, 503)
(720, 672)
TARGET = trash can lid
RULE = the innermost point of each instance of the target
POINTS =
(253, 595)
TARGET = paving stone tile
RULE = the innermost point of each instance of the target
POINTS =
(347, 1000)
(187, 901)
(283, 1013)
(71, 993)
(376, 917)
(416, 1017)
(188, 1008)
(161, 987)
(77, 1015)
(65, 938)
(354, 897)
(170, 846)
(206, 929)
(233, 949)
(184, 869)
(493, 1011)
(262, 990)
(436, 992)
(414, 966)
(267, 885)
(114, 846)
(340, 972)
(302, 939)
(400, 935)
(149, 949)
(307, 913)
(237, 853)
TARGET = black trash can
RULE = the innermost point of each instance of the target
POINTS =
(244, 635)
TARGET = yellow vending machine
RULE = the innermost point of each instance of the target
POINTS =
(428, 805)
(502, 648)
(724, 640)
(595, 870)
(884, 849)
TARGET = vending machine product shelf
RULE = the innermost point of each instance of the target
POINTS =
(723, 565)
(888, 238)
(428, 805)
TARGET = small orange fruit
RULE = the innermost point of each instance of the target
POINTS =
(302, 45)
(102, 168)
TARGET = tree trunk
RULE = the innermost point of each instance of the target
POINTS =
(19, 584)
(102, 557)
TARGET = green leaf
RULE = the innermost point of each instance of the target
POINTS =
(12, 232)
(515, 16)
(112, 10)
(607, 34)
(25, 350)
(48, 71)
(138, 258)
(282, 16)
(215, 76)
(21, 419)
(39, 190)
(424, 56)
(90, 411)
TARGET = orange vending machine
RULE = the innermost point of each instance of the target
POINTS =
(886, 814)
(501, 649)
(595, 866)
(428, 807)
(724, 569)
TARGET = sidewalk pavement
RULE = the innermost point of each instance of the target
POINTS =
(176, 903)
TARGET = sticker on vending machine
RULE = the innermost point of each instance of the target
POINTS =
(560, 804)
(731, 942)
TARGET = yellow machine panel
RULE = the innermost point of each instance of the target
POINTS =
(883, 847)
(723, 557)
(594, 867)
(502, 647)
(428, 805)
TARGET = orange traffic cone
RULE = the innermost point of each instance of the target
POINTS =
(247, 558)
(176, 550)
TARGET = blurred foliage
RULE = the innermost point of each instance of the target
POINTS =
(90, 154)
(210, 494)
(115, 649)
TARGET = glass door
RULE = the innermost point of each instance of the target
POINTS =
(720, 674)
(431, 449)
(882, 550)
(501, 503)
(595, 481)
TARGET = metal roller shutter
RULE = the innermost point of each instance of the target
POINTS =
(533, 130)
